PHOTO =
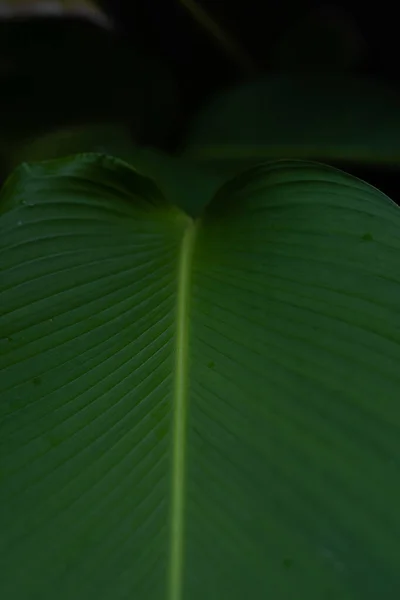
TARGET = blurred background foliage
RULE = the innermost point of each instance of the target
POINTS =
(222, 84)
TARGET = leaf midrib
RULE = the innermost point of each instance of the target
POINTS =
(179, 407)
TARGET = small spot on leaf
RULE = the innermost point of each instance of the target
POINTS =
(37, 380)
(367, 237)
(160, 434)
(54, 440)
(287, 563)
(211, 364)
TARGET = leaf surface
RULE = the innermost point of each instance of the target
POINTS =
(200, 408)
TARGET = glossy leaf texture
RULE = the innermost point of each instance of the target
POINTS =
(198, 409)
(303, 116)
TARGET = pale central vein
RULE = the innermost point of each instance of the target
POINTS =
(180, 402)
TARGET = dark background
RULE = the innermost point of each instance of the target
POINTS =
(152, 66)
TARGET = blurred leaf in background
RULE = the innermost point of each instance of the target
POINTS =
(12, 9)
(164, 76)
(70, 72)
(104, 138)
(328, 118)
(325, 39)
(187, 184)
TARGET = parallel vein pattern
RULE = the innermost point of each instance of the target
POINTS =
(294, 428)
(87, 325)
(198, 412)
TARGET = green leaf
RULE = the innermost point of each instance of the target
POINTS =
(104, 138)
(200, 408)
(329, 118)
(188, 184)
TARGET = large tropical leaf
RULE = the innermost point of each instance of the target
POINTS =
(203, 408)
